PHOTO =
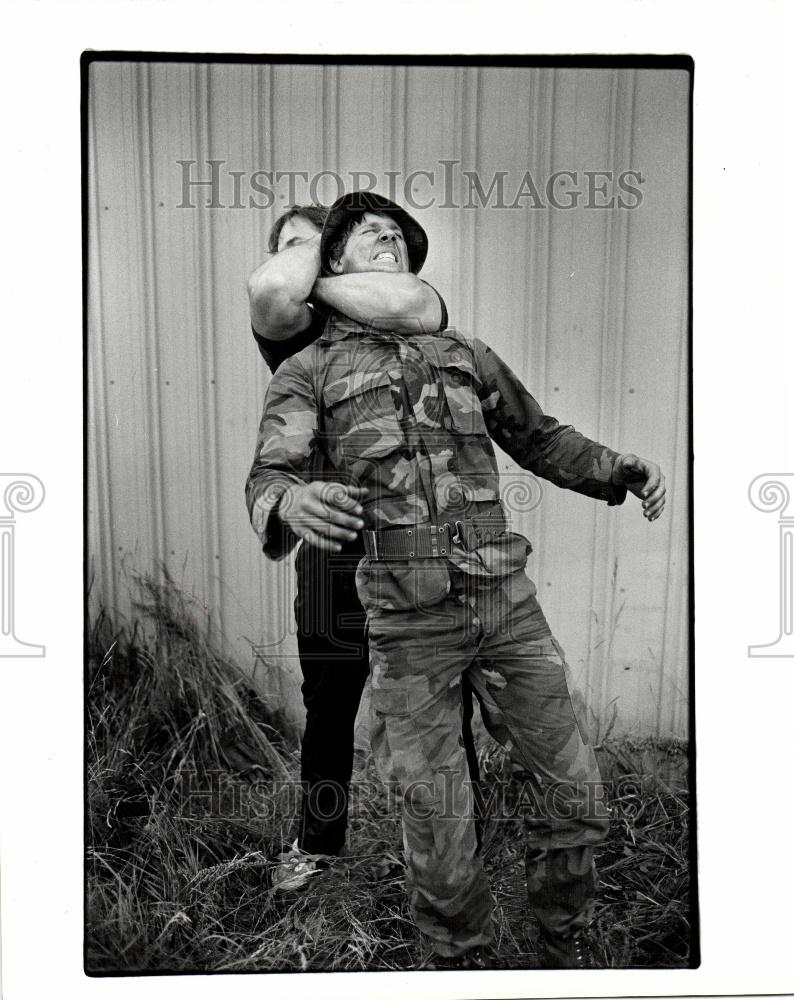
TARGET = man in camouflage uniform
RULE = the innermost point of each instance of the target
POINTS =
(410, 419)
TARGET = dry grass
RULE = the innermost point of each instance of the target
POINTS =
(179, 880)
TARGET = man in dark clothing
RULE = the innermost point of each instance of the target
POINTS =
(289, 304)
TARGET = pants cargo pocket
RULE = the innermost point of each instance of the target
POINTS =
(410, 586)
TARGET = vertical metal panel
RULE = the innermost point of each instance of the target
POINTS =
(589, 306)
(568, 368)
(101, 547)
(616, 250)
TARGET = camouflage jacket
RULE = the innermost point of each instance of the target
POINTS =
(411, 417)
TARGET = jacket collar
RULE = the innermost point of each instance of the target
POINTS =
(338, 327)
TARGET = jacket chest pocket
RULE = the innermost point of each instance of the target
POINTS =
(359, 416)
(463, 411)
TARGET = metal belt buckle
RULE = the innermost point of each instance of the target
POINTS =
(458, 536)
(371, 537)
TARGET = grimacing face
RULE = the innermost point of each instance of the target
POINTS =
(376, 244)
(296, 230)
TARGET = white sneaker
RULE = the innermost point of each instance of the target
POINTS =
(295, 869)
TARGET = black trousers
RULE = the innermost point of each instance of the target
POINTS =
(334, 658)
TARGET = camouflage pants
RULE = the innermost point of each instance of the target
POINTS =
(494, 630)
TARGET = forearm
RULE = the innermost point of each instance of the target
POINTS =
(559, 453)
(283, 456)
(400, 302)
(279, 289)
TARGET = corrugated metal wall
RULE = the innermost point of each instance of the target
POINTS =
(589, 305)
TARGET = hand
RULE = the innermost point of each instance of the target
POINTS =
(645, 480)
(323, 514)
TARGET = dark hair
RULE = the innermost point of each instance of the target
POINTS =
(313, 213)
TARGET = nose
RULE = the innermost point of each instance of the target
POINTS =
(387, 235)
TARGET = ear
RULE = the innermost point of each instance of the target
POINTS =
(336, 266)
